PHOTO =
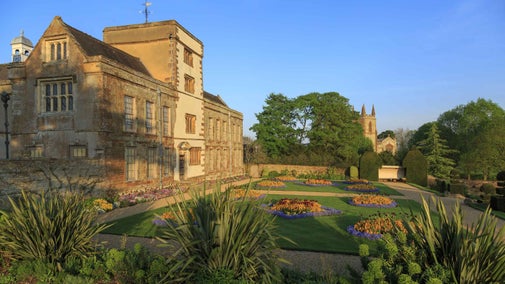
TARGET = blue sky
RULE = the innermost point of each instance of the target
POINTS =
(412, 59)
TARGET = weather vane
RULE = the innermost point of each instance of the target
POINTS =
(146, 11)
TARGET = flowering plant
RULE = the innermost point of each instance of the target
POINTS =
(356, 180)
(361, 187)
(270, 183)
(102, 205)
(242, 193)
(139, 196)
(296, 208)
(375, 226)
(163, 219)
(372, 200)
(317, 182)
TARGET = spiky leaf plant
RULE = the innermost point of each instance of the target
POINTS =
(50, 227)
(217, 232)
(473, 254)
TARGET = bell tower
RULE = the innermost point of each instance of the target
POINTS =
(21, 48)
(369, 124)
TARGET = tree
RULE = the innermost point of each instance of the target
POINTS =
(436, 151)
(369, 165)
(388, 158)
(385, 134)
(416, 167)
(275, 128)
(403, 137)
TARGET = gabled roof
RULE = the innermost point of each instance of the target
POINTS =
(93, 47)
(215, 99)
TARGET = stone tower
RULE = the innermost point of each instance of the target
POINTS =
(21, 48)
(369, 124)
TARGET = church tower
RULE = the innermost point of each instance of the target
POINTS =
(21, 48)
(369, 124)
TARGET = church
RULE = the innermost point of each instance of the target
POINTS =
(133, 102)
(369, 124)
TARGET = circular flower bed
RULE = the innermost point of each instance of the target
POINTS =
(286, 178)
(373, 200)
(297, 208)
(317, 182)
(374, 227)
(361, 187)
(251, 194)
(270, 183)
(356, 181)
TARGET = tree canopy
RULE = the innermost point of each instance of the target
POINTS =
(322, 126)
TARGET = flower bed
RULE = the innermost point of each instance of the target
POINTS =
(140, 196)
(296, 208)
(251, 194)
(356, 181)
(270, 183)
(102, 205)
(375, 226)
(162, 219)
(317, 182)
(286, 178)
(361, 187)
(373, 200)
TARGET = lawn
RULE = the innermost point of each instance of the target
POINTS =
(338, 187)
(322, 234)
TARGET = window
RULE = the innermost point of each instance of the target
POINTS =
(189, 84)
(58, 96)
(129, 115)
(167, 162)
(195, 155)
(150, 118)
(166, 121)
(188, 57)
(211, 128)
(57, 50)
(131, 164)
(78, 151)
(190, 123)
(151, 162)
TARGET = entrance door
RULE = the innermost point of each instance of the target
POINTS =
(182, 167)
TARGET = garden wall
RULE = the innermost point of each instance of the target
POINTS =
(33, 175)
(257, 170)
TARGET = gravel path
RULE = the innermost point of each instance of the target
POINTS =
(300, 260)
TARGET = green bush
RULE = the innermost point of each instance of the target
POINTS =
(219, 234)
(459, 188)
(416, 167)
(500, 190)
(487, 188)
(273, 174)
(497, 202)
(369, 165)
(500, 176)
(51, 228)
(353, 172)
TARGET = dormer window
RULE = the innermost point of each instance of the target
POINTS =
(56, 50)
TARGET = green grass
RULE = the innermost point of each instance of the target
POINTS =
(338, 187)
(321, 234)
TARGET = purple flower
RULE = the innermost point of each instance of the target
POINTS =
(327, 211)
(391, 205)
(360, 234)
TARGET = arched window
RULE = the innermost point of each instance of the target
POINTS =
(370, 127)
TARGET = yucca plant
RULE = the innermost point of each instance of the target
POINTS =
(473, 254)
(217, 234)
(50, 227)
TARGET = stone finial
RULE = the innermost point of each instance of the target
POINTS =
(373, 110)
(363, 111)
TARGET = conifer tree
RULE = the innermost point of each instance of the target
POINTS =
(436, 151)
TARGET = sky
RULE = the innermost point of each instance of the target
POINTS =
(412, 60)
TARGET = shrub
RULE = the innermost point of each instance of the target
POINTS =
(273, 174)
(498, 203)
(353, 172)
(500, 176)
(458, 188)
(369, 165)
(51, 228)
(218, 234)
(487, 188)
(416, 167)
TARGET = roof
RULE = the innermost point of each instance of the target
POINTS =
(22, 39)
(215, 99)
(93, 47)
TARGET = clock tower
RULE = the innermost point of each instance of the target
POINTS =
(21, 48)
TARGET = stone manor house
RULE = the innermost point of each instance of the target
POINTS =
(133, 104)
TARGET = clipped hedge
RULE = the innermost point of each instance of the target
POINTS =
(369, 165)
(497, 202)
(458, 188)
(353, 172)
(416, 167)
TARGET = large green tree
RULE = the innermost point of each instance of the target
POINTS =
(437, 153)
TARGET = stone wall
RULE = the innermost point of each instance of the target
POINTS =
(35, 175)
(257, 170)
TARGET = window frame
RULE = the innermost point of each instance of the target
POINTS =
(195, 156)
(54, 98)
(188, 56)
(129, 103)
(56, 49)
(166, 128)
(80, 150)
(150, 115)
(131, 170)
(189, 84)
(190, 123)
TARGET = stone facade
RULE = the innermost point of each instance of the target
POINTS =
(134, 101)
(369, 124)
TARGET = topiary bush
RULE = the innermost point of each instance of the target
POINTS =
(416, 167)
(458, 188)
(353, 172)
(369, 165)
(487, 189)
(497, 202)
(500, 177)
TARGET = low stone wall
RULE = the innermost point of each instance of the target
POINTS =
(35, 175)
(257, 170)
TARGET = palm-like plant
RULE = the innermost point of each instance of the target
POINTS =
(219, 233)
(473, 254)
(50, 227)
